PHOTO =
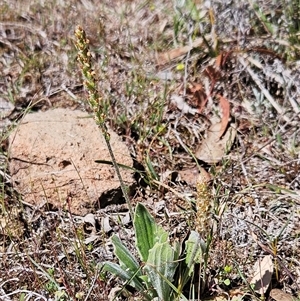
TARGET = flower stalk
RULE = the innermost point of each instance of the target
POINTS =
(96, 101)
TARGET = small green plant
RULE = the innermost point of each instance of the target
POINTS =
(51, 286)
(164, 269)
(224, 275)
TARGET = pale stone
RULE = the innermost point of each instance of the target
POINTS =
(52, 160)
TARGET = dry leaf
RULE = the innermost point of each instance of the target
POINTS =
(199, 97)
(224, 103)
(263, 274)
(166, 176)
(279, 295)
(204, 176)
(220, 298)
(170, 55)
(180, 103)
(219, 60)
(194, 175)
(195, 87)
(90, 218)
(90, 223)
(236, 294)
(105, 225)
(213, 73)
(189, 175)
(212, 148)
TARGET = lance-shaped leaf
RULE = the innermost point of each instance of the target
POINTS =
(161, 267)
(126, 259)
(118, 271)
(147, 232)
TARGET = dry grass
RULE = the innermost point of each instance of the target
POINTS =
(50, 255)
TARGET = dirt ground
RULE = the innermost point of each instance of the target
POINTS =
(200, 92)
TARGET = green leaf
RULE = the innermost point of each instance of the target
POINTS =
(125, 257)
(161, 268)
(177, 246)
(193, 251)
(147, 232)
(118, 271)
(226, 282)
(161, 235)
(151, 171)
(193, 255)
(115, 269)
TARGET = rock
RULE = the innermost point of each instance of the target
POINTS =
(52, 158)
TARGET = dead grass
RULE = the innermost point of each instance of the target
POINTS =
(50, 255)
